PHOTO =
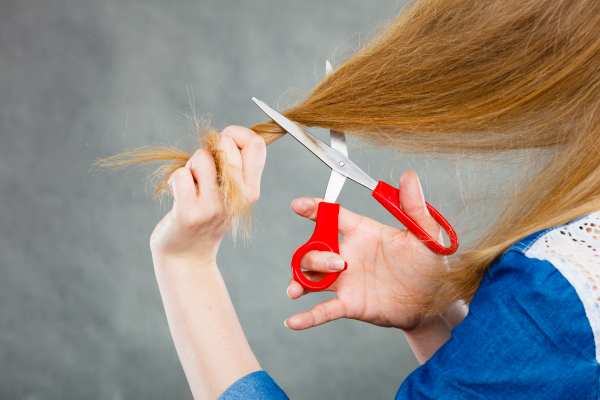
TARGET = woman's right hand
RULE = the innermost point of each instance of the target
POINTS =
(390, 280)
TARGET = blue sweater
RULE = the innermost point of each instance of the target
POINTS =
(531, 332)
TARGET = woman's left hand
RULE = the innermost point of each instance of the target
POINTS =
(196, 224)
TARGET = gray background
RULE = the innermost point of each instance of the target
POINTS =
(80, 313)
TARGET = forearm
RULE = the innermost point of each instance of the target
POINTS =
(434, 331)
(209, 339)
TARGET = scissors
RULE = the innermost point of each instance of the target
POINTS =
(325, 234)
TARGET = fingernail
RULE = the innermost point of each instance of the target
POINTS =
(335, 263)
(285, 323)
(421, 194)
(419, 184)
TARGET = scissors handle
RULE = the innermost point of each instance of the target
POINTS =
(324, 238)
(389, 197)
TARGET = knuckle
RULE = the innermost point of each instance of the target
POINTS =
(305, 262)
(200, 157)
(308, 258)
(225, 140)
(258, 140)
(176, 177)
(313, 260)
(228, 130)
(179, 173)
(196, 154)
(204, 155)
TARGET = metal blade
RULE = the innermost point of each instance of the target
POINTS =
(336, 180)
(331, 157)
(338, 142)
(334, 186)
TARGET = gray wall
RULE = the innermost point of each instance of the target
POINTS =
(80, 314)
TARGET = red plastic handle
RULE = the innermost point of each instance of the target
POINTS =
(324, 238)
(389, 197)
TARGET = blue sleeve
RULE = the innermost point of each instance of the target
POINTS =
(255, 386)
(526, 337)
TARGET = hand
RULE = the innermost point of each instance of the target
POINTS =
(390, 280)
(196, 224)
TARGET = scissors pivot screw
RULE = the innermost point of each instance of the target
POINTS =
(341, 163)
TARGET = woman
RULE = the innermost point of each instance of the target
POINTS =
(453, 76)
(527, 334)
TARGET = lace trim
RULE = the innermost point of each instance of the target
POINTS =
(574, 249)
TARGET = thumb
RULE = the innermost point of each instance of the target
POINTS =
(413, 203)
(320, 314)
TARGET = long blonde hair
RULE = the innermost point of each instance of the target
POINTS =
(471, 77)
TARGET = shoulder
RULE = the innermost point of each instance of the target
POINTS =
(532, 328)
(562, 265)
(256, 385)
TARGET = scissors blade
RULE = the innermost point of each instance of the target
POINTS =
(331, 157)
(336, 180)
(334, 186)
(338, 142)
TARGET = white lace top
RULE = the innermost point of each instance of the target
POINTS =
(574, 249)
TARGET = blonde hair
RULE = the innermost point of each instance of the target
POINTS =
(472, 77)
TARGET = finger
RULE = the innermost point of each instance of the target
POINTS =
(232, 156)
(322, 261)
(413, 203)
(182, 187)
(254, 154)
(204, 171)
(294, 290)
(307, 207)
(327, 311)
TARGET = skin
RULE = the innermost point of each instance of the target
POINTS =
(387, 283)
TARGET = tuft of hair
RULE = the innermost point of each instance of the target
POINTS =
(235, 202)
(237, 208)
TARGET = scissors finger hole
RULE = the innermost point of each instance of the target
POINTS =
(312, 275)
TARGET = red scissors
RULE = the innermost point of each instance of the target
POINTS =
(325, 234)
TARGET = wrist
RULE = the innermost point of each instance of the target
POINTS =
(182, 260)
(451, 316)
(427, 337)
(425, 325)
(174, 272)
